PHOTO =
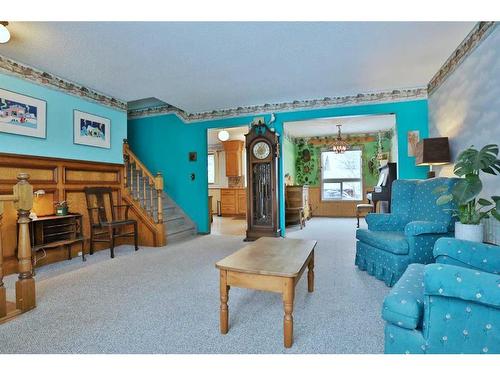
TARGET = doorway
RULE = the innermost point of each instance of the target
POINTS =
(227, 182)
(334, 183)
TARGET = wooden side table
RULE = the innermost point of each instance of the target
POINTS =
(49, 232)
(268, 264)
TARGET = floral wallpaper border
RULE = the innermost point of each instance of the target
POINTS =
(45, 79)
(475, 37)
(367, 98)
(471, 41)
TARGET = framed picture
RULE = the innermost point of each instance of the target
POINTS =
(413, 138)
(22, 115)
(91, 130)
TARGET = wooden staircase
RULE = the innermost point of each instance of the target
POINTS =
(145, 191)
(25, 285)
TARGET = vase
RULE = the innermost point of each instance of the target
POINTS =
(469, 232)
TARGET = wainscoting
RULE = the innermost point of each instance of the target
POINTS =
(332, 208)
(63, 180)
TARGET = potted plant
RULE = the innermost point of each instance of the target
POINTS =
(471, 209)
(61, 208)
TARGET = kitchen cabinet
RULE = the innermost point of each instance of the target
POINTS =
(233, 201)
(234, 162)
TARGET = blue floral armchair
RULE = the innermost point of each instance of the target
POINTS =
(452, 306)
(406, 235)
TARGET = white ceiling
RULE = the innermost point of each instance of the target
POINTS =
(328, 126)
(206, 66)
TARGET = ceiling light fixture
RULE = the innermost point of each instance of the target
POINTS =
(339, 146)
(4, 32)
(223, 135)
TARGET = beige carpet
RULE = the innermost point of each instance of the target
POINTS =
(166, 300)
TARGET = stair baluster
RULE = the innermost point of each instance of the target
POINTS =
(138, 183)
(144, 192)
(151, 202)
(127, 167)
(152, 185)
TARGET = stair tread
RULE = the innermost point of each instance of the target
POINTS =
(174, 217)
(180, 229)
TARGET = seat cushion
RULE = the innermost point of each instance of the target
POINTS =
(392, 242)
(404, 305)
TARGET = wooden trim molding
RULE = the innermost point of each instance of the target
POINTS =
(63, 179)
(468, 45)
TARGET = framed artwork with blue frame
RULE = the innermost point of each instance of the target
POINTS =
(22, 114)
(91, 130)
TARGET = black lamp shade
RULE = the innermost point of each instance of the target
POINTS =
(432, 151)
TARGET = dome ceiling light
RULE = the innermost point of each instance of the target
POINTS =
(223, 135)
(4, 32)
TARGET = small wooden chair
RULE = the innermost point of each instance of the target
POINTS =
(102, 229)
(368, 207)
(292, 214)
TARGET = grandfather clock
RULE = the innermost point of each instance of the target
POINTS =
(262, 146)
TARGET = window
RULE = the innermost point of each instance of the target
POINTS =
(211, 168)
(341, 176)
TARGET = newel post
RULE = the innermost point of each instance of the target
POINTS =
(25, 286)
(3, 298)
(159, 193)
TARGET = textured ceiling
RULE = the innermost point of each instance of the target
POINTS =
(206, 66)
(328, 126)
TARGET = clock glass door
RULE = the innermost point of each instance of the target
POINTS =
(262, 194)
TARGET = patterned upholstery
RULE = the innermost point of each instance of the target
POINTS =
(404, 306)
(406, 235)
(461, 302)
(394, 242)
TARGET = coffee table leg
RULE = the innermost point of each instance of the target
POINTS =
(310, 274)
(224, 297)
(288, 296)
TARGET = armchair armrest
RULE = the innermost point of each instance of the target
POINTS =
(415, 228)
(463, 283)
(469, 254)
(386, 222)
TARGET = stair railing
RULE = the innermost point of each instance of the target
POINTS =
(139, 189)
(22, 197)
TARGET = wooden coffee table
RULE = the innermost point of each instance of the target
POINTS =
(269, 264)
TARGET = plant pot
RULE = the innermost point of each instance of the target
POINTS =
(469, 232)
(61, 210)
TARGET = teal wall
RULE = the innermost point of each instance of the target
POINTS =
(163, 143)
(289, 159)
(59, 134)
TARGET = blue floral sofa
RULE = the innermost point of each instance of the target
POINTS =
(452, 306)
(406, 235)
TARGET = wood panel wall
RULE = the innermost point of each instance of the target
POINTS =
(332, 208)
(62, 179)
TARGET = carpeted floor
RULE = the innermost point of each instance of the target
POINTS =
(166, 300)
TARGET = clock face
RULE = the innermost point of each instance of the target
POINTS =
(261, 150)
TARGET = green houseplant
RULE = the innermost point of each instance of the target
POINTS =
(465, 193)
